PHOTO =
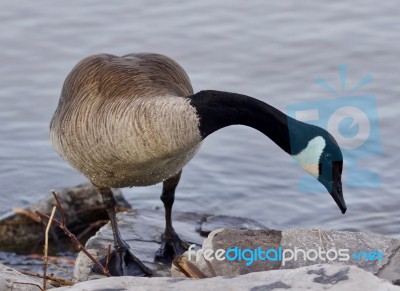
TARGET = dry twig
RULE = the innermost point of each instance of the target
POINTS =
(59, 206)
(26, 213)
(46, 247)
(52, 259)
(23, 283)
(61, 281)
(92, 226)
(188, 268)
(72, 237)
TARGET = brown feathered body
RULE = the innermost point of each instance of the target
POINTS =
(124, 121)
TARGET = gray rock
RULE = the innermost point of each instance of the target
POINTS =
(10, 280)
(305, 239)
(214, 222)
(355, 242)
(391, 270)
(82, 206)
(241, 239)
(316, 277)
(142, 230)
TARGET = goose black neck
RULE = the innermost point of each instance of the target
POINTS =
(218, 109)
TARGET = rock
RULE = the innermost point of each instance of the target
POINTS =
(317, 277)
(355, 242)
(10, 279)
(142, 231)
(369, 254)
(241, 239)
(61, 266)
(362, 250)
(391, 270)
(19, 231)
(223, 221)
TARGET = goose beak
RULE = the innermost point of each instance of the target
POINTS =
(342, 205)
(337, 195)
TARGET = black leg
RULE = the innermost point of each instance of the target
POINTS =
(171, 244)
(121, 262)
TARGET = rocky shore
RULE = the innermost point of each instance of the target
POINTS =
(373, 261)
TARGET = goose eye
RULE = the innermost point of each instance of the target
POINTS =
(328, 156)
(339, 189)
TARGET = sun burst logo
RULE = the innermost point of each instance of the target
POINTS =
(352, 118)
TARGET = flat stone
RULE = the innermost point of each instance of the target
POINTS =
(236, 239)
(358, 246)
(10, 280)
(223, 221)
(142, 230)
(391, 270)
(317, 277)
(355, 242)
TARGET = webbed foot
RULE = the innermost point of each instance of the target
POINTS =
(170, 248)
(123, 263)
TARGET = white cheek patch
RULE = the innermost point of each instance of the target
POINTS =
(312, 169)
(309, 157)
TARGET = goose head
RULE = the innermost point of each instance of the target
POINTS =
(322, 158)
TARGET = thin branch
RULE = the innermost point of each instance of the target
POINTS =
(100, 207)
(62, 270)
(59, 207)
(61, 281)
(22, 283)
(26, 213)
(75, 241)
(92, 226)
(52, 259)
(46, 247)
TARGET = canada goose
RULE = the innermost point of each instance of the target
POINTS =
(134, 121)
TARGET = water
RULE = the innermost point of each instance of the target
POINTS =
(272, 51)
